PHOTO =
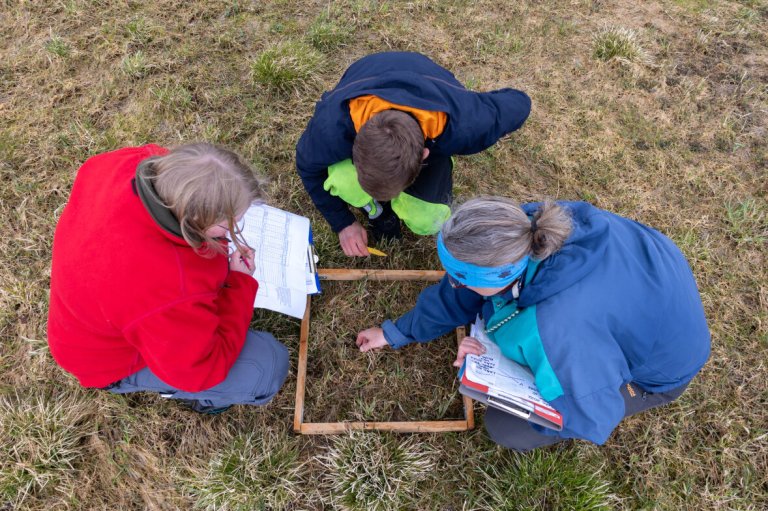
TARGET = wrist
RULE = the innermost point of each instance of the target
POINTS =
(394, 336)
(340, 226)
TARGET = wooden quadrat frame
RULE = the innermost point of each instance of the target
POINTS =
(330, 428)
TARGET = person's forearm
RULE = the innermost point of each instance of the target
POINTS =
(334, 210)
(439, 309)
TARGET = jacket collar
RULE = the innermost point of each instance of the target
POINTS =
(155, 206)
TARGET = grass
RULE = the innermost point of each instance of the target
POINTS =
(256, 471)
(673, 136)
(286, 66)
(620, 45)
(327, 34)
(135, 64)
(339, 389)
(748, 221)
(375, 472)
(554, 479)
(41, 441)
(58, 47)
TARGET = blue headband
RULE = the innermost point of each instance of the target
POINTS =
(479, 276)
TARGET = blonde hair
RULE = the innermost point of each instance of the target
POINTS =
(494, 231)
(203, 185)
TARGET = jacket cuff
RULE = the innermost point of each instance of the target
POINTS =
(394, 336)
(342, 222)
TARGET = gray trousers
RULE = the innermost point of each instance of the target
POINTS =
(256, 376)
(518, 434)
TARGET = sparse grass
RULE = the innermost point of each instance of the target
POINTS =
(138, 30)
(694, 5)
(748, 222)
(499, 41)
(375, 472)
(342, 385)
(679, 145)
(172, 97)
(327, 33)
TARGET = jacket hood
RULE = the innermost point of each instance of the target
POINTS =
(404, 88)
(579, 256)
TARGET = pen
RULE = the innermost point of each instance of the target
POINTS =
(244, 259)
(376, 252)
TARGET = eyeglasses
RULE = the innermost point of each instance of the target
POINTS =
(455, 284)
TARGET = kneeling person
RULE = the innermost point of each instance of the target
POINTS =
(400, 118)
(143, 293)
(603, 310)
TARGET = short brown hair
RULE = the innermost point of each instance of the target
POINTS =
(203, 185)
(387, 153)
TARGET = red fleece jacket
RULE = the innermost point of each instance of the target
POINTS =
(126, 294)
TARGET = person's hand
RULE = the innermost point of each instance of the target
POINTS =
(242, 261)
(371, 339)
(468, 345)
(354, 240)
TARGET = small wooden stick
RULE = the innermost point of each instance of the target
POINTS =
(334, 428)
(350, 274)
(301, 375)
(469, 405)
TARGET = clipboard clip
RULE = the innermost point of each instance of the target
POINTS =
(510, 407)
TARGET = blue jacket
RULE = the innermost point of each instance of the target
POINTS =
(476, 120)
(617, 303)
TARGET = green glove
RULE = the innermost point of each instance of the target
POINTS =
(342, 182)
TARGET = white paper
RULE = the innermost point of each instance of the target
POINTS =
(504, 378)
(281, 299)
(280, 241)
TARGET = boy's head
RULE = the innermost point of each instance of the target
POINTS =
(387, 154)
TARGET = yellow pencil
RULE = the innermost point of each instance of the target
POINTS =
(375, 252)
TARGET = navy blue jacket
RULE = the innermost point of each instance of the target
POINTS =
(617, 303)
(476, 120)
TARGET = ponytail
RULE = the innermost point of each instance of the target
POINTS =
(550, 227)
(495, 231)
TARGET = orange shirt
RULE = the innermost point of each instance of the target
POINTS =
(363, 108)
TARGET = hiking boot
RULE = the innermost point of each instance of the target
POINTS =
(385, 227)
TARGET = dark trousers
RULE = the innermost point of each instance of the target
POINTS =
(518, 434)
(433, 184)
